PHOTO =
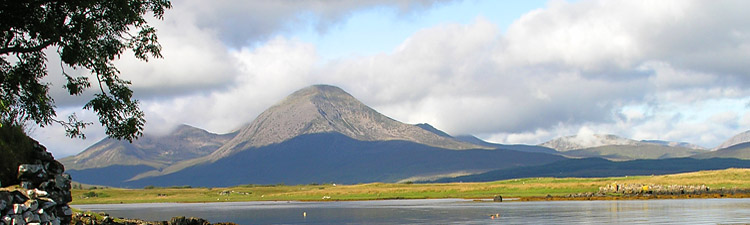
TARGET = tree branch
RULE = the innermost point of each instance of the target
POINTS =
(19, 49)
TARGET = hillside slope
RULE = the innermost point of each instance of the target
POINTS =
(739, 151)
(597, 167)
(184, 143)
(740, 138)
(334, 157)
(631, 152)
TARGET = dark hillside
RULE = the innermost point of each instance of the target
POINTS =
(598, 167)
(333, 157)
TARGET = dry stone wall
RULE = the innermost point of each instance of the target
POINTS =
(635, 189)
(43, 196)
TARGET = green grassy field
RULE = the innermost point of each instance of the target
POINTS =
(527, 187)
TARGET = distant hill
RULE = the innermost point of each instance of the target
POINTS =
(630, 152)
(576, 142)
(597, 167)
(740, 138)
(517, 147)
(675, 144)
(476, 141)
(739, 151)
(183, 143)
(617, 148)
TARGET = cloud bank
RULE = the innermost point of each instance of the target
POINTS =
(671, 70)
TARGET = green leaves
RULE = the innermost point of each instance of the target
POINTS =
(88, 34)
(118, 112)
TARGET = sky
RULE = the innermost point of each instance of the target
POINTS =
(506, 71)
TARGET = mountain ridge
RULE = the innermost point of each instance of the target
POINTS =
(740, 138)
(156, 151)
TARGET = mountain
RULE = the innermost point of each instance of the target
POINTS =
(617, 148)
(327, 109)
(740, 138)
(317, 134)
(587, 141)
(739, 151)
(674, 144)
(319, 109)
(598, 167)
(631, 152)
(153, 151)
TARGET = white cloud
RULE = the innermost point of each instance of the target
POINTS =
(639, 69)
(267, 74)
(240, 23)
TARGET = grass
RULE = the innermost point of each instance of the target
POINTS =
(527, 187)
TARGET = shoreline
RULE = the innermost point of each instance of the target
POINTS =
(729, 183)
(634, 197)
(505, 199)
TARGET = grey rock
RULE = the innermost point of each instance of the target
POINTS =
(32, 205)
(67, 211)
(18, 209)
(18, 220)
(30, 171)
(19, 197)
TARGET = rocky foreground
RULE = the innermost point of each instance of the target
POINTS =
(42, 196)
(38, 192)
(104, 219)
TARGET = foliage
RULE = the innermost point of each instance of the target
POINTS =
(90, 194)
(87, 34)
(14, 150)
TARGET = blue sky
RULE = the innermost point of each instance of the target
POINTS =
(385, 28)
(506, 71)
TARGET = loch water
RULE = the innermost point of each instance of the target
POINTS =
(446, 211)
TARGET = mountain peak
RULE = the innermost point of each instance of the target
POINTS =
(329, 109)
(319, 90)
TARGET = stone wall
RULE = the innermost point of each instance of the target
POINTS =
(656, 189)
(43, 196)
(104, 219)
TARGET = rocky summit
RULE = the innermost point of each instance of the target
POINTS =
(329, 109)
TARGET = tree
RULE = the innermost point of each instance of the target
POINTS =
(87, 34)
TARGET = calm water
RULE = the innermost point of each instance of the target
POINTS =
(447, 211)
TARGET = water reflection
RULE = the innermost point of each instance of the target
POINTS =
(448, 211)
